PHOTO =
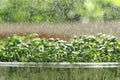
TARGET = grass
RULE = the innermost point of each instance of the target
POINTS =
(61, 30)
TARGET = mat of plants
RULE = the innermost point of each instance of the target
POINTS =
(85, 48)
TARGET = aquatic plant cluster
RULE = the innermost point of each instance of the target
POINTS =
(85, 48)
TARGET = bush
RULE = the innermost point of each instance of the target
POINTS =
(35, 11)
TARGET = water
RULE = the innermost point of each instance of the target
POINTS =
(59, 71)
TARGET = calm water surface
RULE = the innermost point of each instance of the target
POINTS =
(59, 71)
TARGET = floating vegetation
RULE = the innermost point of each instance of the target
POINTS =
(30, 48)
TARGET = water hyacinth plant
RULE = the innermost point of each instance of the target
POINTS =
(85, 48)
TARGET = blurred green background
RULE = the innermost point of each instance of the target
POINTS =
(36, 11)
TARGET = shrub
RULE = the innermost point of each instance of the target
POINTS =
(35, 11)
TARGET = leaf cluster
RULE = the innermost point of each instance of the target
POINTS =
(85, 48)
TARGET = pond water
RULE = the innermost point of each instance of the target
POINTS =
(59, 71)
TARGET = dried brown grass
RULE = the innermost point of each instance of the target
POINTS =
(60, 30)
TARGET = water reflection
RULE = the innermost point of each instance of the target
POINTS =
(60, 73)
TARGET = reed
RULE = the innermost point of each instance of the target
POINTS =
(60, 30)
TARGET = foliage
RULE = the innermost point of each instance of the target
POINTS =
(103, 48)
(58, 10)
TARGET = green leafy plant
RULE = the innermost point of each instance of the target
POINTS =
(102, 48)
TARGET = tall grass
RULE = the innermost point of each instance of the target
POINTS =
(60, 30)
